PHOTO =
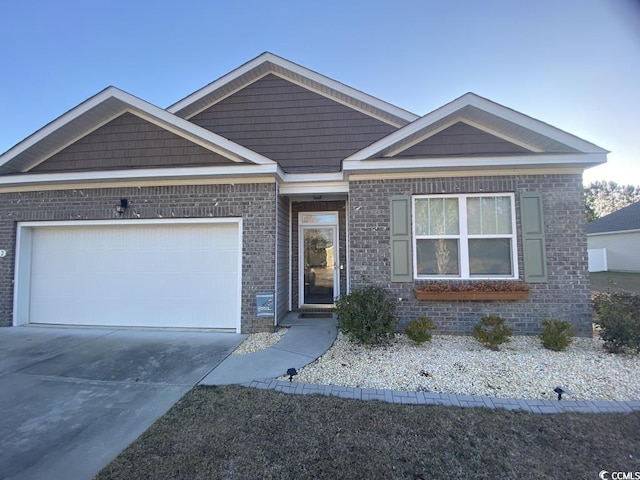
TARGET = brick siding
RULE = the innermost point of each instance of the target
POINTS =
(254, 203)
(565, 296)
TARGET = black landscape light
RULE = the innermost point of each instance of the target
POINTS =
(560, 390)
(292, 372)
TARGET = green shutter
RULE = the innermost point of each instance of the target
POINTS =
(533, 244)
(400, 208)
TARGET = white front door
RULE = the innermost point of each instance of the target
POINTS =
(319, 275)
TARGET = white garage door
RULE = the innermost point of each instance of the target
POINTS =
(150, 275)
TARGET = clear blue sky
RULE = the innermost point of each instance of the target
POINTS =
(572, 63)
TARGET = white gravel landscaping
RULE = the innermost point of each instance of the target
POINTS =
(460, 365)
(260, 341)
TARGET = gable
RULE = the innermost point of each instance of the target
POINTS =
(461, 139)
(300, 129)
(129, 141)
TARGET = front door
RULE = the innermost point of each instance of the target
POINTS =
(319, 279)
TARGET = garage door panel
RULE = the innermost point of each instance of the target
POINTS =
(137, 275)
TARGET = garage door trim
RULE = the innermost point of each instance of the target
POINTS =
(22, 280)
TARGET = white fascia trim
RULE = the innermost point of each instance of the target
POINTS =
(615, 232)
(312, 177)
(149, 112)
(498, 172)
(452, 122)
(296, 69)
(47, 130)
(142, 174)
(445, 163)
(533, 124)
(313, 183)
(488, 106)
(317, 188)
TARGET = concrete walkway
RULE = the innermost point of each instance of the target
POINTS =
(308, 339)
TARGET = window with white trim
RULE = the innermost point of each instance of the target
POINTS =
(468, 236)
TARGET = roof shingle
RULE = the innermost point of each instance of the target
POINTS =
(627, 218)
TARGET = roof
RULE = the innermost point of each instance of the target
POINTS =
(492, 117)
(627, 218)
(541, 145)
(105, 106)
(268, 63)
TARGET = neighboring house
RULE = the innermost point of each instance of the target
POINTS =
(615, 240)
(279, 188)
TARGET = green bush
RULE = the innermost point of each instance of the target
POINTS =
(366, 315)
(419, 329)
(618, 315)
(492, 332)
(556, 334)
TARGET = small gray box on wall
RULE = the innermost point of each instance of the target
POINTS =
(265, 304)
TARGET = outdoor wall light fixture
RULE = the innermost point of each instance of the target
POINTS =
(122, 206)
(561, 390)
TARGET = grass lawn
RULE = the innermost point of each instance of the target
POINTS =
(236, 432)
(615, 282)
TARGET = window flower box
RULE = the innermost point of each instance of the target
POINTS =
(472, 291)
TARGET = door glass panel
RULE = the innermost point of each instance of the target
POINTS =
(319, 218)
(319, 265)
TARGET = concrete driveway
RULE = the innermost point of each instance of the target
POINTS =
(71, 399)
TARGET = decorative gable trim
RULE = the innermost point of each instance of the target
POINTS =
(268, 63)
(459, 109)
(99, 110)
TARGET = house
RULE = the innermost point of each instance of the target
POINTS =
(275, 189)
(615, 240)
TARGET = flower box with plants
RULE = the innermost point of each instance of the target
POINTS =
(479, 291)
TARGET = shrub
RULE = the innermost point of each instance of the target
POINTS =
(618, 315)
(366, 315)
(419, 329)
(556, 334)
(492, 332)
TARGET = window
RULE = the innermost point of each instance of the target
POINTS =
(464, 236)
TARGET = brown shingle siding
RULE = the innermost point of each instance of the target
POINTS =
(300, 129)
(461, 139)
(129, 142)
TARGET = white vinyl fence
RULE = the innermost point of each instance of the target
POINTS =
(598, 260)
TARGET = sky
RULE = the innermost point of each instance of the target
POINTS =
(574, 64)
